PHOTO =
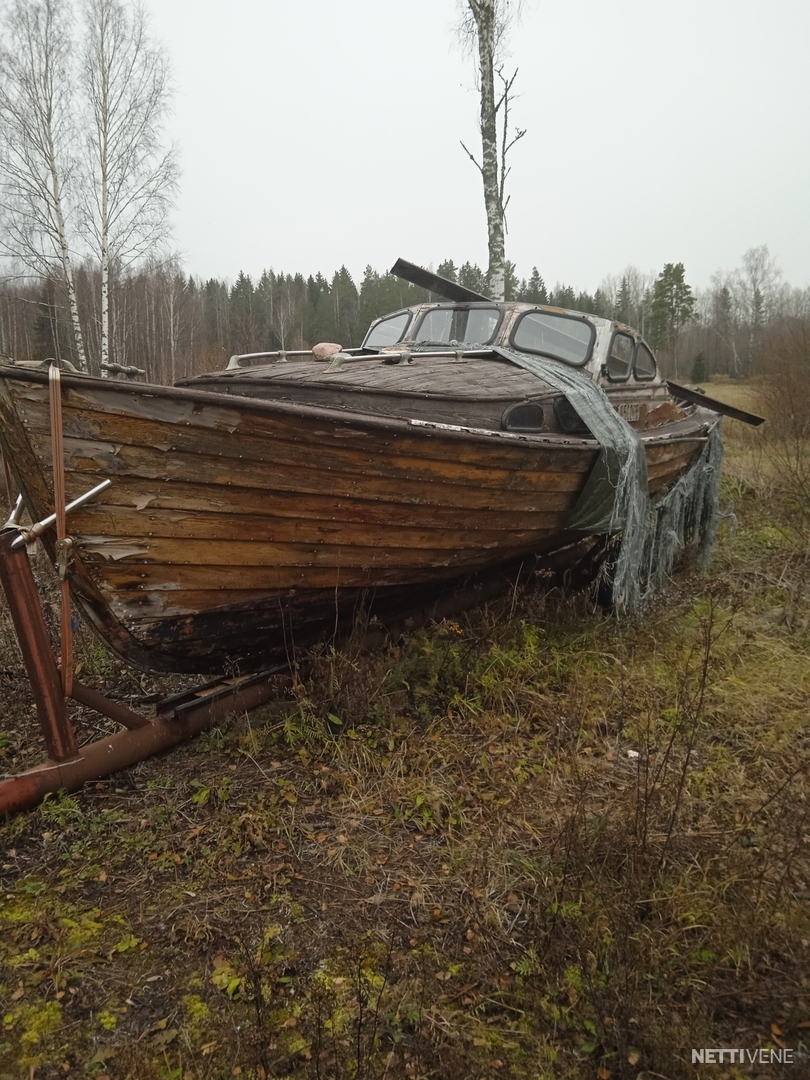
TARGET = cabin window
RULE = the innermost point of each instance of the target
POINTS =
(620, 361)
(470, 326)
(387, 332)
(562, 337)
(645, 363)
(523, 416)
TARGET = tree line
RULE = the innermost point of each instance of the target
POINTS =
(172, 325)
(86, 186)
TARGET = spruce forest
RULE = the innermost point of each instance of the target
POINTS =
(172, 325)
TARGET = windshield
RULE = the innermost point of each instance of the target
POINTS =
(387, 331)
(472, 326)
(562, 337)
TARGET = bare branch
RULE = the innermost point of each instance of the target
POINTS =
(506, 145)
(471, 157)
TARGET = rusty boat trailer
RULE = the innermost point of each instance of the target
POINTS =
(69, 766)
(180, 716)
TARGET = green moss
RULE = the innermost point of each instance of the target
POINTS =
(33, 1024)
(107, 1020)
(197, 1011)
(82, 931)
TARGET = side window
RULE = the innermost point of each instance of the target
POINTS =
(387, 332)
(481, 325)
(620, 361)
(645, 363)
(562, 337)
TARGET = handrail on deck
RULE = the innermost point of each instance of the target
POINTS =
(392, 357)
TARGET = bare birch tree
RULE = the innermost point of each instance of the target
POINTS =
(483, 28)
(37, 143)
(133, 176)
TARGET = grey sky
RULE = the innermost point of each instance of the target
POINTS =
(321, 132)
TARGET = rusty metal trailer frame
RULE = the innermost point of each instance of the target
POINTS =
(69, 766)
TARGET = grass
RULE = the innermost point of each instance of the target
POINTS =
(534, 843)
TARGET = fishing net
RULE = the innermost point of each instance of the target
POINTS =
(615, 498)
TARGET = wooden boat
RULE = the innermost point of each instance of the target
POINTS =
(255, 509)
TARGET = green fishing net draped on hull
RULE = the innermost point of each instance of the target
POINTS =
(686, 517)
(615, 498)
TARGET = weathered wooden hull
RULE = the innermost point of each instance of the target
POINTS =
(236, 528)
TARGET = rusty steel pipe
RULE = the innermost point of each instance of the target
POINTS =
(98, 760)
(126, 748)
(20, 588)
(94, 761)
(85, 695)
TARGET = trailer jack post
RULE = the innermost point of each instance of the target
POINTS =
(32, 633)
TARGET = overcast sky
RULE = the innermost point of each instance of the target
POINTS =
(316, 133)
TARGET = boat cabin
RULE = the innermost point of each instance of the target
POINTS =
(465, 363)
(607, 350)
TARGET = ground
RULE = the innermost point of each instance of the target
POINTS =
(538, 842)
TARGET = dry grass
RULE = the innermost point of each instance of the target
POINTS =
(534, 843)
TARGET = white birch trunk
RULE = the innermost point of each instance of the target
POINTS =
(104, 259)
(484, 14)
(70, 284)
(37, 142)
(131, 177)
(105, 313)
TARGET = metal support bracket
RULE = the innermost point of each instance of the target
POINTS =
(69, 766)
(26, 613)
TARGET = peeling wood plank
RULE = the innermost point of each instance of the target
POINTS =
(124, 524)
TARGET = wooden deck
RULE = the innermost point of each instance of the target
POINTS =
(472, 391)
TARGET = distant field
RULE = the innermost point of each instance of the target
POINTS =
(742, 393)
